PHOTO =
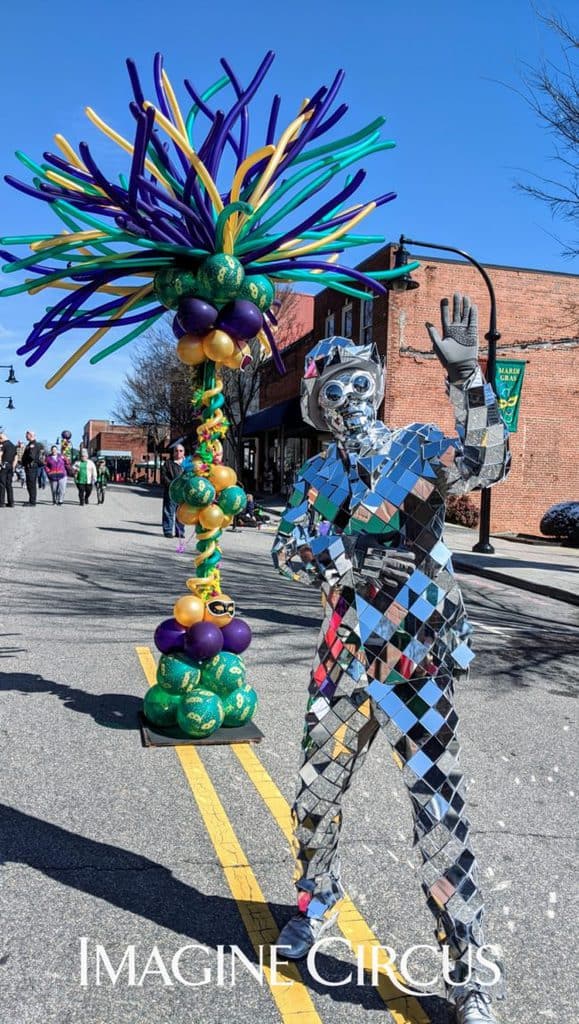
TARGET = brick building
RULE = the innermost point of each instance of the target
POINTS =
(538, 317)
(125, 449)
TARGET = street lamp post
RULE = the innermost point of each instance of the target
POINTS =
(483, 544)
(11, 378)
(10, 402)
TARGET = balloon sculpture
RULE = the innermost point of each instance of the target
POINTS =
(66, 445)
(170, 234)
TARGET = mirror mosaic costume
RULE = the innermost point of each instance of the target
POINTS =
(365, 523)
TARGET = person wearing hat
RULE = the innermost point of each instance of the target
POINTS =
(85, 475)
(365, 523)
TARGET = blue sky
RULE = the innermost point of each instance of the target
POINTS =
(440, 73)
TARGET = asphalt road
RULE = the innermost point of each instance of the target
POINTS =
(103, 839)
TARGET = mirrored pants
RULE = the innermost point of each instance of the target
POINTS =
(419, 720)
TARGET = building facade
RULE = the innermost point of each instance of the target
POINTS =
(127, 450)
(538, 317)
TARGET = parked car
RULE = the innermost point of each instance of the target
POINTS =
(562, 521)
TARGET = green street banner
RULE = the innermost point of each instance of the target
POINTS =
(509, 385)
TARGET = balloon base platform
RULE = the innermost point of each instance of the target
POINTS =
(154, 736)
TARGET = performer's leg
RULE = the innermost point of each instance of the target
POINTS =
(338, 734)
(421, 723)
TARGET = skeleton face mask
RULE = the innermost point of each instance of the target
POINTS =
(348, 402)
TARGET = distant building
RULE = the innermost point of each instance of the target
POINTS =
(538, 317)
(126, 450)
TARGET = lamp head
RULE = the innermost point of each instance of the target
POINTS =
(405, 283)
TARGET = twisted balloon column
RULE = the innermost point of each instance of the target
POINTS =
(212, 428)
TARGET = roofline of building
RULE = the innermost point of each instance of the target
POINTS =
(422, 258)
(491, 266)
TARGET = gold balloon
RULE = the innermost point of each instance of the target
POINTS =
(235, 361)
(222, 476)
(219, 609)
(211, 517)
(187, 515)
(218, 346)
(189, 609)
(190, 350)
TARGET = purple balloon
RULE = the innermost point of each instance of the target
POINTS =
(178, 331)
(236, 636)
(170, 636)
(203, 641)
(241, 319)
(196, 316)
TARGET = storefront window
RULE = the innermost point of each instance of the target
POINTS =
(347, 321)
(366, 318)
(330, 325)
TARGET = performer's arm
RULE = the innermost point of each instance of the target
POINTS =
(482, 449)
(304, 549)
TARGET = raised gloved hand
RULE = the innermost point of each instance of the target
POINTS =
(458, 348)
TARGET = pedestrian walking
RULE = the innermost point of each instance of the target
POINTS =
(103, 477)
(170, 470)
(85, 475)
(7, 463)
(55, 467)
(31, 460)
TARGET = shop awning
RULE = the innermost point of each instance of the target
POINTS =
(287, 413)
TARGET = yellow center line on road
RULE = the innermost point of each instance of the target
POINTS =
(403, 1009)
(294, 1001)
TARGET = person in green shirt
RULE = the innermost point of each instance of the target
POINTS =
(85, 475)
(103, 477)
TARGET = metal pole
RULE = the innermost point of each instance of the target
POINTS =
(483, 544)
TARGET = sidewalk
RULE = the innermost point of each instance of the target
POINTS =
(542, 568)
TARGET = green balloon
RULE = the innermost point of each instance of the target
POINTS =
(220, 277)
(171, 285)
(161, 707)
(239, 707)
(200, 713)
(232, 500)
(258, 289)
(223, 673)
(177, 674)
(176, 489)
(197, 490)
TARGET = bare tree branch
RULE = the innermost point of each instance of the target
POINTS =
(156, 393)
(552, 92)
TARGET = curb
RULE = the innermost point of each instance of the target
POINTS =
(556, 593)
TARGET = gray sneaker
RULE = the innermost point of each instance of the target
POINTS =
(474, 1008)
(300, 933)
